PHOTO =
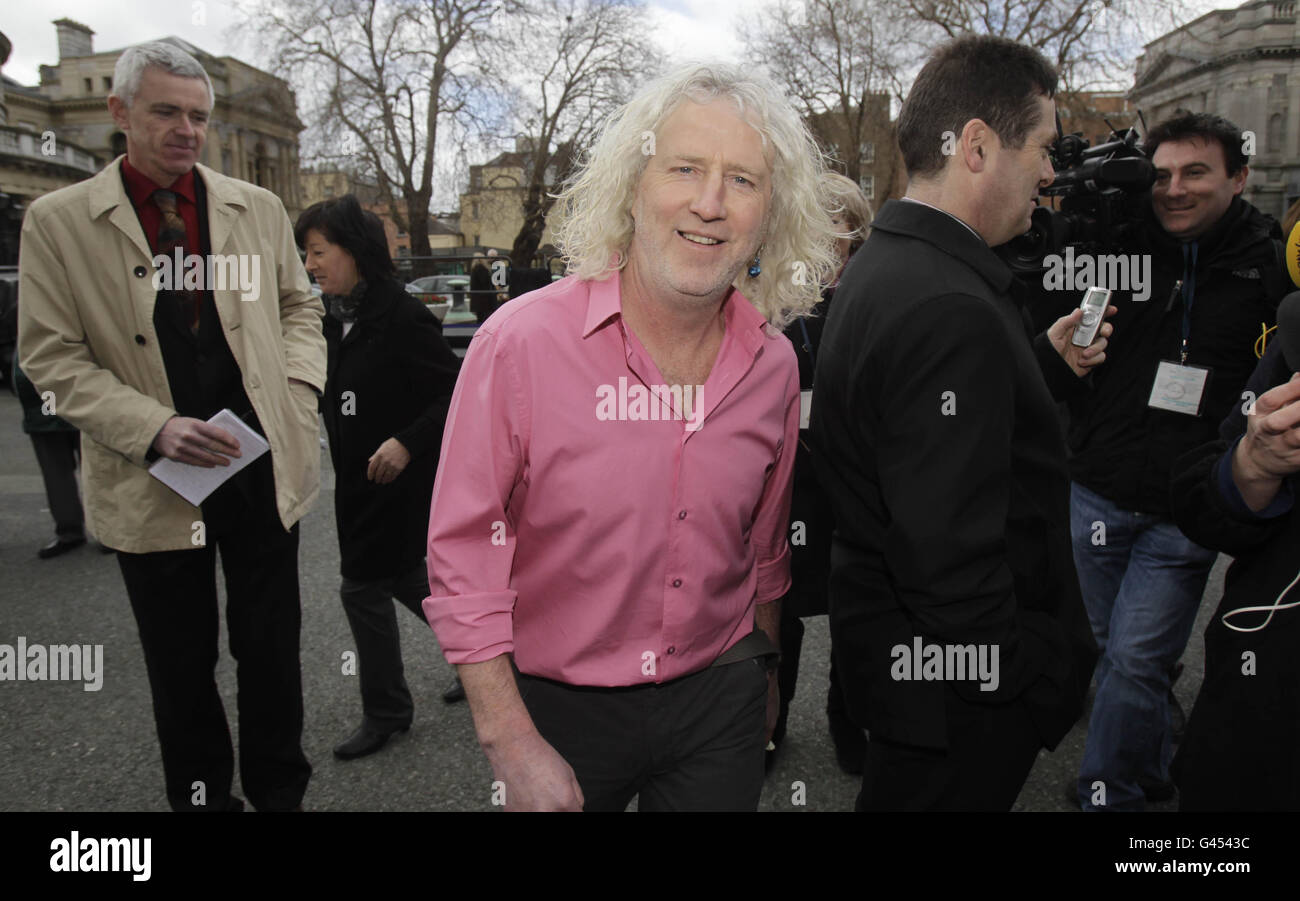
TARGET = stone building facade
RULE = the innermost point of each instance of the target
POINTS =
(492, 207)
(1243, 64)
(253, 133)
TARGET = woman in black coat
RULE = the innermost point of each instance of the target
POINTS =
(389, 383)
(1239, 749)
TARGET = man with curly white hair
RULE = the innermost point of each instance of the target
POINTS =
(607, 544)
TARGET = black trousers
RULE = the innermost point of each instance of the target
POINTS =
(695, 743)
(991, 751)
(837, 713)
(58, 454)
(385, 699)
(174, 597)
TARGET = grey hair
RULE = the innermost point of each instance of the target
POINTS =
(594, 208)
(159, 54)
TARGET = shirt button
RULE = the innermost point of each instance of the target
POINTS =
(677, 583)
(139, 272)
(681, 515)
(139, 339)
(672, 649)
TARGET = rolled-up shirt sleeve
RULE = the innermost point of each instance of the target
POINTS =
(471, 546)
(772, 515)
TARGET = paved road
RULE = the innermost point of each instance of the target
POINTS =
(63, 748)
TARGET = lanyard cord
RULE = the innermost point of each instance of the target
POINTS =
(1189, 292)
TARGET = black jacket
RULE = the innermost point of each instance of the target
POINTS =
(937, 439)
(1120, 447)
(1239, 750)
(391, 377)
(811, 518)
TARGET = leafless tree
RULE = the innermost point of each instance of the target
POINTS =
(838, 61)
(380, 78)
(565, 65)
(1092, 43)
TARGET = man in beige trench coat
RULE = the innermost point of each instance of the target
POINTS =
(138, 362)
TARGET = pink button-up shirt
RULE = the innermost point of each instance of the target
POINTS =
(586, 526)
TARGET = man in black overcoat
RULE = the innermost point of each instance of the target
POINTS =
(958, 627)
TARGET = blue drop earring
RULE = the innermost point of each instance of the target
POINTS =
(755, 268)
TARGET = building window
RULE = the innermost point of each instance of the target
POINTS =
(1285, 8)
(329, 191)
(1276, 133)
(108, 83)
(868, 185)
(90, 85)
(473, 210)
(118, 143)
(476, 244)
(867, 152)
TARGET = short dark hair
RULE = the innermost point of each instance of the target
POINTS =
(981, 77)
(360, 232)
(1185, 126)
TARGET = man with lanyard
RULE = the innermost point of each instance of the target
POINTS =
(1178, 362)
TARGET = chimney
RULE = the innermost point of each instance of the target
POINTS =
(75, 39)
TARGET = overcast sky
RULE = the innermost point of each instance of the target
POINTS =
(684, 29)
(703, 29)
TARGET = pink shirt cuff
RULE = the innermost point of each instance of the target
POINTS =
(774, 577)
(472, 628)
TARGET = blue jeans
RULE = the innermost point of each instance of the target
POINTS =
(1142, 586)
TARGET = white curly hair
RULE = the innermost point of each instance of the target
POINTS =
(594, 208)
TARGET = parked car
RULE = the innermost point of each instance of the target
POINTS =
(437, 289)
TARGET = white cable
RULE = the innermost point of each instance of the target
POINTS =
(1277, 605)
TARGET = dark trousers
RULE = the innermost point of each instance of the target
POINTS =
(837, 714)
(58, 453)
(695, 743)
(990, 753)
(385, 698)
(174, 598)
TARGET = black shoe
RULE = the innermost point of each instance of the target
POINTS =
(363, 742)
(59, 546)
(1157, 792)
(455, 693)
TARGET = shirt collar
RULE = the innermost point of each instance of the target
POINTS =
(140, 187)
(605, 301)
(946, 213)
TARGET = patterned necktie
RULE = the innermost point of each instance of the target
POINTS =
(171, 235)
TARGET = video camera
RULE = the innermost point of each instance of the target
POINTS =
(1100, 189)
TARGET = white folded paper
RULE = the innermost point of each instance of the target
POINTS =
(195, 483)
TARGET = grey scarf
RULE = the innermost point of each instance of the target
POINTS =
(344, 307)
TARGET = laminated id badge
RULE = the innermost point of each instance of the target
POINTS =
(805, 408)
(1179, 388)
